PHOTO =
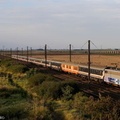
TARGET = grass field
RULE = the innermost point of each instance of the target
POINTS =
(96, 60)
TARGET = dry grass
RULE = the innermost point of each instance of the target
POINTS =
(96, 60)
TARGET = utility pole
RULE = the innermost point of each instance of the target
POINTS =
(45, 55)
(27, 54)
(3, 52)
(31, 51)
(11, 52)
(89, 60)
(17, 53)
(22, 51)
(70, 51)
(6, 52)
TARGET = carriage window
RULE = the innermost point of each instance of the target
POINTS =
(84, 69)
(66, 66)
(94, 71)
(63, 65)
(69, 66)
(75, 68)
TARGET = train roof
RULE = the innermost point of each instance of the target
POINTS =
(112, 69)
(93, 67)
(74, 64)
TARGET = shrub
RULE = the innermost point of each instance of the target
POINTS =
(67, 92)
(18, 68)
(103, 109)
(49, 78)
(32, 71)
(6, 92)
(42, 113)
(6, 62)
(49, 89)
(53, 89)
(72, 84)
(80, 101)
(16, 112)
(36, 79)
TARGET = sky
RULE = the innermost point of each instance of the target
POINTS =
(59, 23)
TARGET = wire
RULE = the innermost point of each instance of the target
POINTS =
(84, 45)
(94, 44)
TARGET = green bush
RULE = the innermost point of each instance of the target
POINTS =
(18, 68)
(4, 92)
(54, 89)
(67, 93)
(102, 109)
(43, 113)
(49, 89)
(36, 79)
(9, 65)
(72, 84)
(16, 112)
(31, 72)
(6, 62)
(80, 100)
(10, 90)
(90, 109)
(49, 78)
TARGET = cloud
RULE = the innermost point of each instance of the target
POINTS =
(38, 22)
(117, 1)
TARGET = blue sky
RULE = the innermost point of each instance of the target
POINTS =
(35, 23)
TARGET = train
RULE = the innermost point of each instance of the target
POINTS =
(110, 75)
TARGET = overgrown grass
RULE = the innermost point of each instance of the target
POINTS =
(12, 104)
(38, 96)
(7, 65)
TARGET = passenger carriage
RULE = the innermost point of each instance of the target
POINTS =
(95, 72)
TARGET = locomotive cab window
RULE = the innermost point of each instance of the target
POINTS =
(106, 71)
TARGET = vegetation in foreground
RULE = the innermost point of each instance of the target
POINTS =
(27, 94)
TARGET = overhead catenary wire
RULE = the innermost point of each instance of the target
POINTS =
(84, 44)
(94, 44)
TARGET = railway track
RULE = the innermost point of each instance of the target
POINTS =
(92, 87)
